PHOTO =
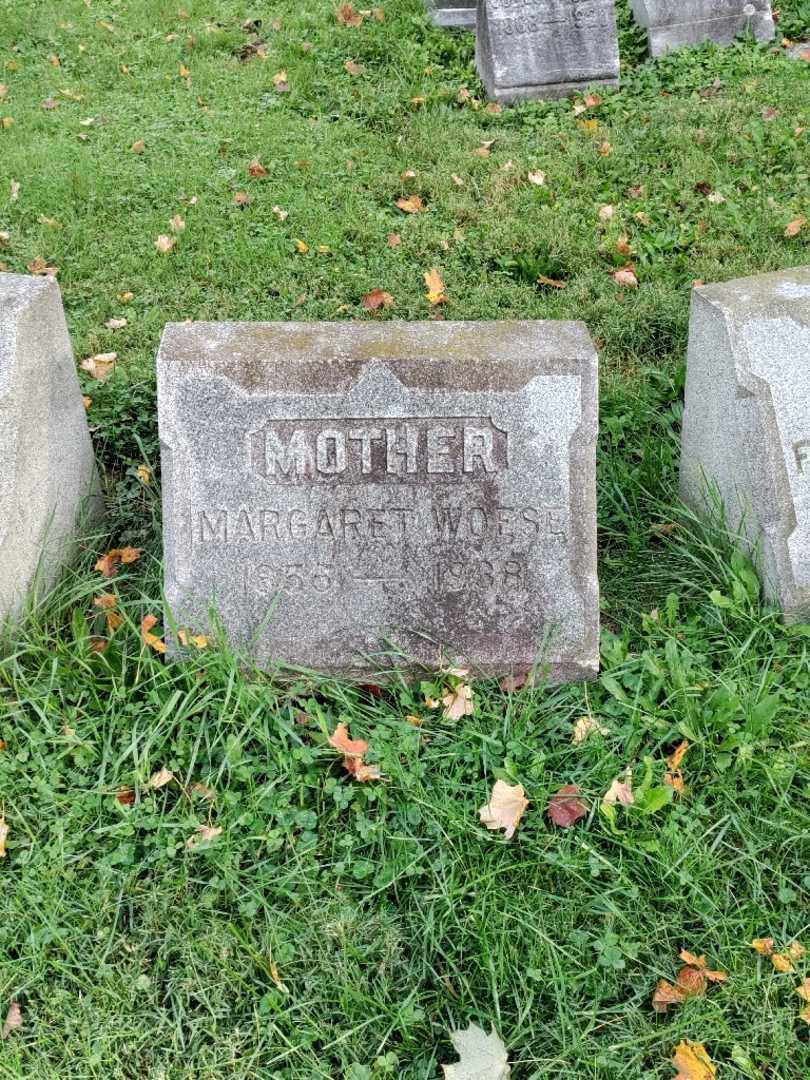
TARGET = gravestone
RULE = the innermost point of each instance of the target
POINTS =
(746, 430)
(453, 14)
(48, 481)
(352, 497)
(672, 23)
(545, 48)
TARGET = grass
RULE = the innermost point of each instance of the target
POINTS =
(385, 911)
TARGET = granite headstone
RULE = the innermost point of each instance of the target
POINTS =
(545, 48)
(352, 497)
(672, 23)
(746, 430)
(453, 14)
(48, 480)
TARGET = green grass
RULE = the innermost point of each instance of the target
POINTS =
(390, 913)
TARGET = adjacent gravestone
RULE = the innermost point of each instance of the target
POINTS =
(545, 48)
(453, 14)
(48, 481)
(353, 497)
(746, 431)
(672, 23)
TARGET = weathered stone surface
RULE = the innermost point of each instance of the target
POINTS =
(545, 48)
(453, 14)
(48, 481)
(356, 496)
(746, 432)
(673, 23)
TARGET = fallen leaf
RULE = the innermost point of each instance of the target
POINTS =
(115, 324)
(376, 299)
(88, 401)
(347, 16)
(144, 474)
(458, 702)
(692, 1062)
(782, 963)
(125, 796)
(354, 751)
(14, 190)
(165, 243)
(105, 601)
(13, 1020)
(607, 213)
(585, 726)
(138, 147)
(763, 945)
(204, 834)
(665, 995)
(769, 113)
(280, 83)
(3, 91)
(606, 148)
(537, 178)
(100, 366)
(150, 639)
(565, 809)
(795, 227)
(796, 951)
(199, 641)
(505, 808)
(5, 236)
(675, 759)
(457, 180)
(484, 149)
(40, 267)
(184, 72)
(804, 990)
(623, 245)
(435, 287)
(5, 829)
(109, 564)
(50, 103)
(411, 205)
(160, 779)
(551, 283)
(177, 223)
(481, 1056)
(626, 276)
(276, 977)
(255, 168)
(394, 240)
(301, 246)
(126, 297)
(242, 198)
(280, 214)
(68, 732)
(354, 68)
(203, 791)
(620, 791)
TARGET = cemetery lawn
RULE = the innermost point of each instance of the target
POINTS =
(336, 929)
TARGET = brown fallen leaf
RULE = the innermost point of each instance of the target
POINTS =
(242, 198)
(347, 16)
(665, 995)
(105, 601)
(204, 834)
(109, 564)
(435, 287)
(763, 945)
(354, 751)
(796, 951)
(551, 283)
(354, 68)
(165, 243)
(101, 366)
(693, 1062)
(138, 147)
(393, 240)
(620, 791)
(411, 205)
(150, 639)
(795, 227)
(458, 702)
(5, 829)
(505, 808)
(674, 777)
(13, 1021)
(40, 268)
(125, 796)
(160, 779)
(255, 168)
(626, 276)
(565, 809)
(280, 82)
(376, 299)
(699, 962)
(184, 72)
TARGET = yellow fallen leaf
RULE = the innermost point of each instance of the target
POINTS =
(763, 945)
(693, 1062)
(585, 726)
(4, 831)
(435, 287)
(199, 641)
(100, 366)
(506, 806)
(106, 601)
(411, 205)
(138, 147)
(804, 990)
(796, 951)
(184, 72)
(279, 78)
(782, 963)
(144, 474)
(150, 639)
(301, 246)
(109, 564)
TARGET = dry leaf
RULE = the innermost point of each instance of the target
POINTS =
(13, 1020)
(411, 205)
(394, 240)
(242, 198)
(804, 990)
(692, 1062)
(144, 474)
(623, 245)
(607, 213)
(3, 91)
(125, 796)
(537, 178)
(100, 366)
(106, 601)
(675, 759)
(165, 243)
(795, 227)
(481, 1056)
(782, 963)
(280, 83)
(203, 791)
(138, 147)
(199, 641)
(6, 122)
(353, 751)
(620, 791)
(585, 726)
(40, 267)
(255, 168)
(282, 215)
(665, 995)
(5, 829)
(347, 16)
(160, 779)
(115, 324)
(184, 72)
(177, 223)
(435, 287)
(763, 945)
(276, 977)
(150, 639)
(50, 103)
(505, 808)
(203, 835)
(354, 68)
(376, 299)
(551, 283)
(626, 276)
(301, 246)
(458, 702)
(126, 297)
(565, 809)
(109, 564)
(14, 190)
(796, 951)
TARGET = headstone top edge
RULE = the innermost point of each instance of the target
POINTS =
(760, 295)
(17, 290)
